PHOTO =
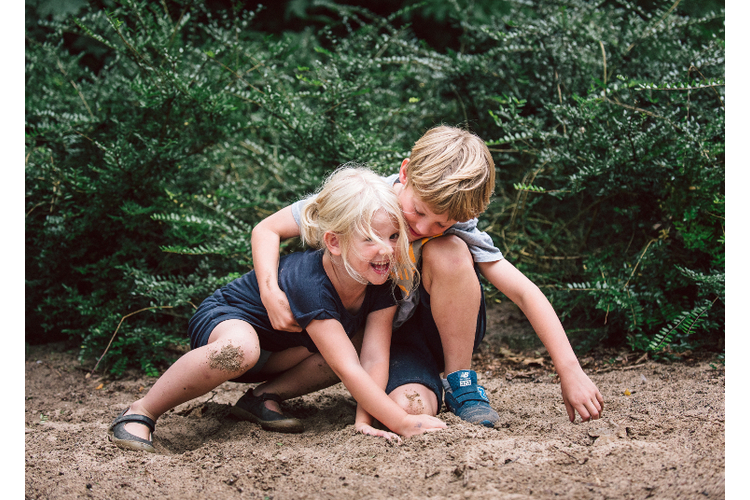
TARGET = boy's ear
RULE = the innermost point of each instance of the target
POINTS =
(332, 243)
(402, 172)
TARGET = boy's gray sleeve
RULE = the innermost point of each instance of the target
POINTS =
(480, 244)
(297, 207)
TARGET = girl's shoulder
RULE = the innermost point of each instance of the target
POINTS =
(302, 273)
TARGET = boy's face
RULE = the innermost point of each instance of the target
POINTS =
(421, 221)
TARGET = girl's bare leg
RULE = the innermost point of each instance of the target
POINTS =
(290, 372)
(232, 349)
(309, 374)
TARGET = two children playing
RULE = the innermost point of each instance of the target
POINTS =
(296, 322)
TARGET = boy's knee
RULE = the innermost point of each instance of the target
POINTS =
(447, 253)
(447, 258)
(415, 399)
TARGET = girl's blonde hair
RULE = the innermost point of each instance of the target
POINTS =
(345, 205)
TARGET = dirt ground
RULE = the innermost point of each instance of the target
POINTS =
(662, 436)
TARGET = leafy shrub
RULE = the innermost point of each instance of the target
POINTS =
(146, 170)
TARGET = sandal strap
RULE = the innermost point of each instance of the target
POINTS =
(270, 397)
(139, 419)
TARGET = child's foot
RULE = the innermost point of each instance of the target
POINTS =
(254, 409)
(120, 436)
(467, 399)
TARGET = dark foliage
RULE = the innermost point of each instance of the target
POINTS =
(159, 133)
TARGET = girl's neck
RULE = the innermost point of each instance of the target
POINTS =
(350, 291)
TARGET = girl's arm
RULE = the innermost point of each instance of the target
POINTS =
(375, 358)
(266, 240)
(579, 392)
(339, 353)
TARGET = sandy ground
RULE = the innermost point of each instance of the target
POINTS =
(662, 436)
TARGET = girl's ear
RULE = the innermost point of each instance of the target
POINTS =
(332, 243)
(402, 172)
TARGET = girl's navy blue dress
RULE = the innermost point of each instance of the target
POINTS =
(311, 296)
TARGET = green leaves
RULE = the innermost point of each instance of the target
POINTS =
(156, 140)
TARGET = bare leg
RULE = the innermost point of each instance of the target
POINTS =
(309, 375)
(415, 399)
(455, 293)
(232, 349)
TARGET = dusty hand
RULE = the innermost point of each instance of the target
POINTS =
(368, 430)
(417, 424)
(279, 312)
(581, 395)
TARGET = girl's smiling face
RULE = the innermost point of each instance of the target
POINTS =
(372, 260)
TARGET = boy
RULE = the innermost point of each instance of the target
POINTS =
(443, 186)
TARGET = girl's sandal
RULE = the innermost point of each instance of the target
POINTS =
(123, 439)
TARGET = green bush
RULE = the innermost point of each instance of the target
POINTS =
(165, 131)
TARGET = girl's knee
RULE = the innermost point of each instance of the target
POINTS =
(233, 347)
(415, 399)
(233, 357)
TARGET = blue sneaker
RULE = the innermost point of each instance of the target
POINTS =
(467, 399)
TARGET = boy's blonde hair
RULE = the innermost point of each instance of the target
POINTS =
(452, 171)
(346, 205)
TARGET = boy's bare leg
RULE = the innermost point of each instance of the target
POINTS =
(415, 399)
(455, 293)
(455, 299)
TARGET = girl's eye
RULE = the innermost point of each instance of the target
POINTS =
(394, 236)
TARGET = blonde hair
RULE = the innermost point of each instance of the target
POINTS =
(452, 171)
(345, 205)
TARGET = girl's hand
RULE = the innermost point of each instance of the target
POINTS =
(279, 312)
(581, 395)
(417, 424)
(368, 430)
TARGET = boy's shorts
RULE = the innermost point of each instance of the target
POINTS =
(417, 351)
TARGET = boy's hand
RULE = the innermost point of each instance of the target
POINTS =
(369, 430)
(279, 312)
(581, 395)
(417, 424)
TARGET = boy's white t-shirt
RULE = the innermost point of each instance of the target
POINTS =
(480, 245)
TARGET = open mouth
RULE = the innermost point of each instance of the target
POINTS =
(381, 267)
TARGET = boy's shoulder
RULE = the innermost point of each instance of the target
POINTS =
(391, 179)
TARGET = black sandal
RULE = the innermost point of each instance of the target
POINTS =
(253, 408)
(122, 438)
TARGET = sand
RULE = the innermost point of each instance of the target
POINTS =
(662, 435)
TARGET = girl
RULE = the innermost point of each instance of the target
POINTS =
(360, 236)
